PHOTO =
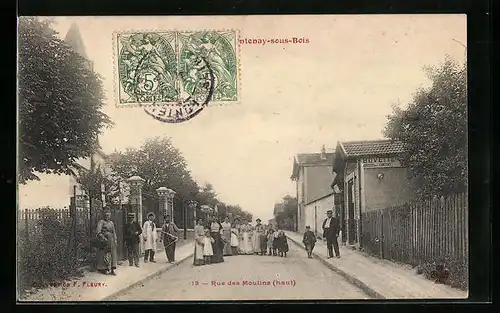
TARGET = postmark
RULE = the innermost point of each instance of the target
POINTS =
(174, 75)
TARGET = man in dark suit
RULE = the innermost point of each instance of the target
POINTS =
(131, 233)
(170, 236)
(331, 229)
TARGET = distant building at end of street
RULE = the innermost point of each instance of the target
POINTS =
(313, 174)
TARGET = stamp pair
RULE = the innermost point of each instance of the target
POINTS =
(175, 74)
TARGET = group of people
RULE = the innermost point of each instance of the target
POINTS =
(212, 241)
(133, 233)
(215, 240)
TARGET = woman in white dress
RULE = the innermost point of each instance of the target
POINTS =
(199, 237)
(258, 230)
(246, 244)
(235, 242)
(226, 236)
(208, 251)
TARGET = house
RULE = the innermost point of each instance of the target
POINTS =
(313, 174)
(368, 176)
(56, 190)
(278, 208)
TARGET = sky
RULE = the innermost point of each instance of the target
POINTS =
(294, 97)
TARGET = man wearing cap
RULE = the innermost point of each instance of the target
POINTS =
(132, 231)
(170, 236)
(331, 231)
(149, 234)
(259, 238)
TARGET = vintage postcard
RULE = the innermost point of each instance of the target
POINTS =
(284, 157)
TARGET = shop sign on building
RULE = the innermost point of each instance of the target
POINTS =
(377, 162)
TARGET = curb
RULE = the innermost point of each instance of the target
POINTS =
(152, 275)
(350, 278)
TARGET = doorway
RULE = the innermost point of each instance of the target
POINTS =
(351, 223)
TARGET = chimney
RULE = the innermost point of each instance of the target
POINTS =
(323, 153)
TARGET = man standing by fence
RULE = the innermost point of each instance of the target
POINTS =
(331, 228)
(132, 231)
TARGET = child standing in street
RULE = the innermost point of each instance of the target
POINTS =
(208, 251)
(309, 241)
(270, 241)
(282, 244)
(275, 242)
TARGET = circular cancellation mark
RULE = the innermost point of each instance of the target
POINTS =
(200, 79)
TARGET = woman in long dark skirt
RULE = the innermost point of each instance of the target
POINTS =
(218, 245)
(106, 255)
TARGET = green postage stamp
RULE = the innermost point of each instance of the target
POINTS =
(176, 68)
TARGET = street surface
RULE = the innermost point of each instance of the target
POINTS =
(260, 278)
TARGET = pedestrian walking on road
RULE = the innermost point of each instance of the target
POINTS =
(150, 236)
(131, 235)
(309, 241)
(208, 251)
(331, 228)
(226, 236)
(106, 255)
(199, 237)
(170, 233)
(218, 245)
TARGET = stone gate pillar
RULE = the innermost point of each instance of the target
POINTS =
(136, 184)
(163, 203)
(166, 196)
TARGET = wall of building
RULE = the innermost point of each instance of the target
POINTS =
(319, 180)
(300, 186)
(51, 190)
(394, 189)
(316, 213)
(99, 160)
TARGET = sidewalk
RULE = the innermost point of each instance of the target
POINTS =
(94, 286)
(379, 278)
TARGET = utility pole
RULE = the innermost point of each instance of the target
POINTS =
(184, 213)
(73, 222)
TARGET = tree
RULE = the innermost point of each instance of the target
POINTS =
(91, 181)
(160, 164)
(433, 130)
(233, 210)
(60, 101)
(207, 196)
(285, 218)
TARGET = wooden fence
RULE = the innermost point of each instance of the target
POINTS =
(83, 225)
(419, 232)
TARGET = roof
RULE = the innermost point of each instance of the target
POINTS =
(74, 40)
(370, 147)
(314, 159)
(353, 149)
